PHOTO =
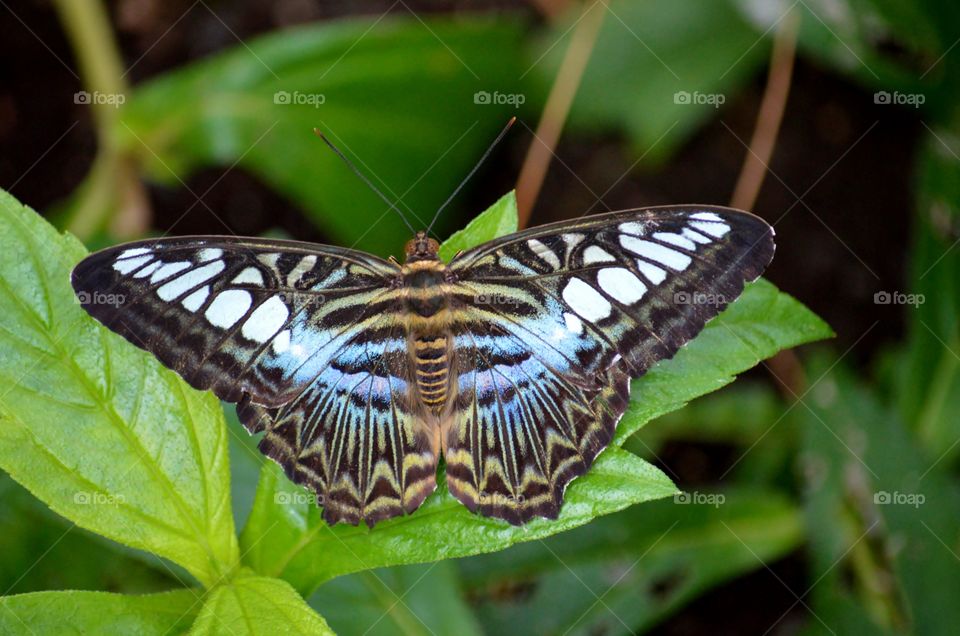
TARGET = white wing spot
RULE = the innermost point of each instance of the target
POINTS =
(305, 265)
(655, 252)
(544, 252)
(134, 251)
(572, 240)
(195, 301)
(574, 324)
(695, 236)
(250, 275)
(149, 269)
(228, 307)
(178, 286)
(209, 253)
(635, 228)
(282, 342)
(594, 254)
(621, 284)
(265, 320)
(127, 266)
(716, 230)
(653, 273)
(585, 300)
(707, 216)
(168, 270)
(675, 239)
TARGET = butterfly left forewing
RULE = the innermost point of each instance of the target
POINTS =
(236, 316)
(586, 304)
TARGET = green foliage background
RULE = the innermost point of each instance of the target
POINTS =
(134, 504)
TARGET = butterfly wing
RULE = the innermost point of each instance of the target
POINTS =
(236, 316)
(356, 435)
(306, 337)
(553, 322)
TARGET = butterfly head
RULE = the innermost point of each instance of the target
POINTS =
(421, 248)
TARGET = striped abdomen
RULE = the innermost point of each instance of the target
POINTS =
(432, 368)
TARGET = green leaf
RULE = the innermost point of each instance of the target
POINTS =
(398, 96)
(499, 219)
(37, 543)
(285, 536)
(644, 563)
(257, 605)
(760, 323)
(928, 394)
(881, 515)
(411, 599)
(97, 429)
(648, 57)
(73, 612)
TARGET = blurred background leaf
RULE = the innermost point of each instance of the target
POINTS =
(412, 104)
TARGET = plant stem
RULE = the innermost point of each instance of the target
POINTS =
(557, 108)
(113, 186)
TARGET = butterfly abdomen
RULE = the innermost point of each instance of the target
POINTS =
(432, 360)
(427, 304)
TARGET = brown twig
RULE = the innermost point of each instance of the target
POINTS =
(551, 9)
(755, 166)
(785, 366)
(557, 108)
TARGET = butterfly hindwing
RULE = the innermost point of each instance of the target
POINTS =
(356, 435)
(521, 431)
(560, 316)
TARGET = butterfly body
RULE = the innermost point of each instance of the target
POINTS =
(512, 361)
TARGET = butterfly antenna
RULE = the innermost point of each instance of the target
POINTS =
(503, 133)
(363, 178)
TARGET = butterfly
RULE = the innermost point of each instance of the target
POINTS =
(512, 362)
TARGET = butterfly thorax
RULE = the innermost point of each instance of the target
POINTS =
(424, 284)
